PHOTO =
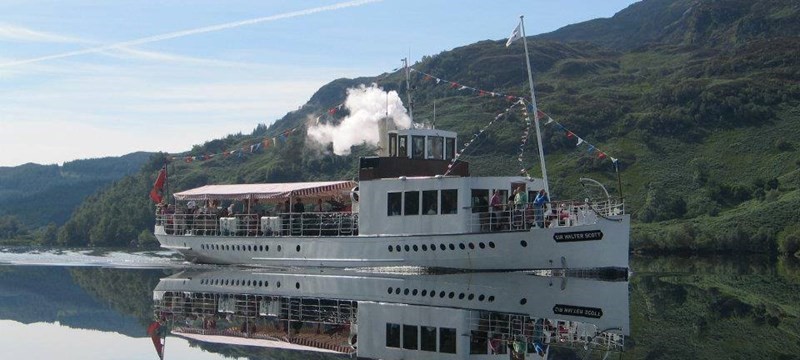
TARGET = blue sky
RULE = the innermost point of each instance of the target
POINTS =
(85, 79)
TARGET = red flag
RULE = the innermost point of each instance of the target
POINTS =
(154, 331)
(158, 187)
(540, 114)
(601, 155)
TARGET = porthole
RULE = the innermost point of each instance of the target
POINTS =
(424, 293)
(297, 285)
(266, 248)
(397, 291)
(482, 245)
(279, 248)
(441, 246)
(414, 292)
(416, 248)
(451, 295)
(261, 248)
(405, 292)
(491, 244)
(491, 298)
(397, 248)
(470, 297)
(433, 247)
(461, 246)
(452, 247)
(481, 297)
(471, 245)
(260, 283)
(406, 248)
(424, 247)
(433, 293)
(249, 248)
(297, 248)
(389, 290)
(248, 282)
(523, 243)
(523, 301)
(441, 294)
(278, 284)
(391, 249)
(266, 283)
(461, 296)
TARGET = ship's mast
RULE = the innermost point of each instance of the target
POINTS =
(408, 89)
(535, 110)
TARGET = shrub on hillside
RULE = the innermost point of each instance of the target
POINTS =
(789, 241)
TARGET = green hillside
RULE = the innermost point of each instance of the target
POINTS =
(37, 198)
(699, 106)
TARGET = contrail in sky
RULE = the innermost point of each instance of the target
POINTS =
(201, 30)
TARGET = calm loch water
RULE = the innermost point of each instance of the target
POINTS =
(81, 305)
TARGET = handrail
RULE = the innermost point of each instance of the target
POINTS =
(248, 225)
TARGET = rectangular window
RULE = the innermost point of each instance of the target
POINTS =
(480, 200)
(435, 150)
(430, 202)
(418, 147)
(410, 340)
(392, 335)
(449, 202)
(402, 145)
(479, 342)
(411, 203)
(393, 202)
(392, 145)
(450, 148)
(428, 337)
(447, 340)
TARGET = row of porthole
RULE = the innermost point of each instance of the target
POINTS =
(442, 294)
(442, 247)
(237, 282)
(261, 248)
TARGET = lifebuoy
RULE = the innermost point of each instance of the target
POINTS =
(354, 194)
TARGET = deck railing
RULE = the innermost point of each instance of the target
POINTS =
(288, 224)
(553, 214)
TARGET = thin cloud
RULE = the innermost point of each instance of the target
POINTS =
(178, 34)
(10, 32)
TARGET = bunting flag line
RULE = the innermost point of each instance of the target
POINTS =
(590, 149)
(461, 87)
(256, 146)
(525, 136)
(475, 136)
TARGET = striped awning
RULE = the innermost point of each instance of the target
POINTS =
(266, 191)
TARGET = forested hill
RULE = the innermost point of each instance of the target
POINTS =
(34, 195)
(697, 99)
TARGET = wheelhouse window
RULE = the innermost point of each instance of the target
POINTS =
(402, 146)
(418, 147)
(449, 201)
(411, 203)
(430, 202)
(480, 200)
(410, 337)
(447, 340)
(392, 335)
(393, 202)
(435, 150)
(392, 145)
(428, 338)
(450, 148)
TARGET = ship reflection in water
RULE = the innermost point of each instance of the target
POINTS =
(393, 315)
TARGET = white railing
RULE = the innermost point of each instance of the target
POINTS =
(288, 224)
(553, 214)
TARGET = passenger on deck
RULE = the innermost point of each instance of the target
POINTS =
(319, 206)
(539, 203)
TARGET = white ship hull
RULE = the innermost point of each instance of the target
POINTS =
(603, 244)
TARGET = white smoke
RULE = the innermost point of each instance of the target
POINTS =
(367, 106)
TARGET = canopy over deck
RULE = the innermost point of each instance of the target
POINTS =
(266, 191)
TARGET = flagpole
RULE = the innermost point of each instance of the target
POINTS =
(535, 110)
